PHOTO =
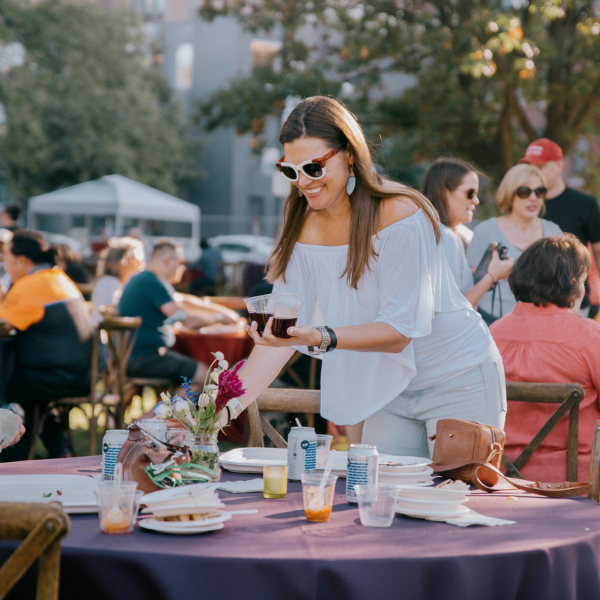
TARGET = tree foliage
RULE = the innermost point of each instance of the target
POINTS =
(487, 79)
(84, 104)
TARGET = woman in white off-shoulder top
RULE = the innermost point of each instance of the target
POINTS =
(406, 347)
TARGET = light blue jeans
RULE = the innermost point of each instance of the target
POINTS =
(403, 426)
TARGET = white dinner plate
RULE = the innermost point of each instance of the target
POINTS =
(419, 514)
(166, 527)
(75, 492)
(183, 509)
(252, 460)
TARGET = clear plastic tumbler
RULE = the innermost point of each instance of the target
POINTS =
(376, 504)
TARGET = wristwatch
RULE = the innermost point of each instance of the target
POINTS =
(325, 339)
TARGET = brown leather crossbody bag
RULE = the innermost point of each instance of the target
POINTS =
(472, 452)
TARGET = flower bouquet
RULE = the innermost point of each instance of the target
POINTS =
(201, 413)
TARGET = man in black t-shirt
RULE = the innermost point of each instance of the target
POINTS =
(573, 211)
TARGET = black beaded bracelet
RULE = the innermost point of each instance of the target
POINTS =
(333, 343)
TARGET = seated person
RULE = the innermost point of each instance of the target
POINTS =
(70, 262)
(123, 258)
(544, 340)
(53, 339)
(150, 295)
(11, 428)
(209, 263)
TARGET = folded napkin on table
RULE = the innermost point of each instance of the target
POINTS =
(467, 517)
(241, 487)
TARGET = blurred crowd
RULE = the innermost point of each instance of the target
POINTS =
(55, 326)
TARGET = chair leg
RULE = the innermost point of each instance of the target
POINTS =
(595, 464)
(36, 429)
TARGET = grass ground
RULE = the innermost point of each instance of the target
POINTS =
(80, 426)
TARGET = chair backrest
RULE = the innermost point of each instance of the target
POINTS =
(568, 395)
(41, 527)
(279, 400)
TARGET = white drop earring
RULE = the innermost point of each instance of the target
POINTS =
(300, 193)
(351, 183)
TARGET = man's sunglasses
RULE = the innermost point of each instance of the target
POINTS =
(313, 169)
(524, 192)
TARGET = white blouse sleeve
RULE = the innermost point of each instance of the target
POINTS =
(407, 278)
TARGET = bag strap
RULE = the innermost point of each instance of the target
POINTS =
(564, 489)
(148, 433)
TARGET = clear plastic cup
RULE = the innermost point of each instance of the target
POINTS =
(376, 504)
(275, 479)
(156, 427)
(285, 314)
(117, 506)
(260, 310)
(323, 447)
(317, 503)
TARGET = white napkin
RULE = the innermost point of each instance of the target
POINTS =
(242, 487)
(466, 517)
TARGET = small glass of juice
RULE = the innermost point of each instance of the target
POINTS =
(317, 503)
(275, 480)
(116, 506)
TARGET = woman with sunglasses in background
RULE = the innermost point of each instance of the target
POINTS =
(520, 198)
(452, 186)
(401, 346)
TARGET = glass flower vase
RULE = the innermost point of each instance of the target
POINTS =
(205, 452)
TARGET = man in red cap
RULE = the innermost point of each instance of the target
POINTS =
(573, 211)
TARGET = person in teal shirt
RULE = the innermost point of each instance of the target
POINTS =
(150, 295)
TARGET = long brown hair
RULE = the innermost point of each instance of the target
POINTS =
(443, 176)
(330, 121)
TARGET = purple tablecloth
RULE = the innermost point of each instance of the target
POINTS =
(553, 553)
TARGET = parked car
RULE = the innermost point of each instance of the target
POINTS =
(241, 247)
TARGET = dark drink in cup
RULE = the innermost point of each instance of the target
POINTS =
(285, 315)
(260, 319)
(280, 327)
(260, 310)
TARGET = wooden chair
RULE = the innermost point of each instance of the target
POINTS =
(41, 527)
(595, 464)
(125, 343)
(118, 335)
(568, 395)
(279, 400)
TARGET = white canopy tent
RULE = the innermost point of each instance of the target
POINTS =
(112, 205)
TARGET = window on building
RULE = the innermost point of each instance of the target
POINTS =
(184, 66)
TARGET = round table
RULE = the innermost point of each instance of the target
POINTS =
(552, 553)
(235, 346)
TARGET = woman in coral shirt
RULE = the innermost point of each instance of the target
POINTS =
(544, 340)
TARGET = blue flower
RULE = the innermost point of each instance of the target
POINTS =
(162, 411)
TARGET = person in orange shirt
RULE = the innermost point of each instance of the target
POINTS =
(545, 340)
(53, 340)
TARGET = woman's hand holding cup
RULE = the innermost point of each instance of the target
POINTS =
(302, 335)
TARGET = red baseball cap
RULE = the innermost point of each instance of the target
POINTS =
(542, 151)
